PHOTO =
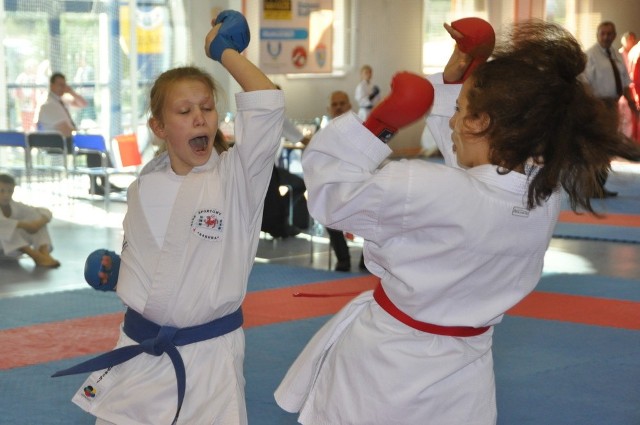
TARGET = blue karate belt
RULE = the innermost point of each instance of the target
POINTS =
(157, 340)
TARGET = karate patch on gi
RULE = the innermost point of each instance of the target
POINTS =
(89, 391)
(520, 212)
(207, 224)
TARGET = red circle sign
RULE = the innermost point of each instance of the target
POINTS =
(299, 57)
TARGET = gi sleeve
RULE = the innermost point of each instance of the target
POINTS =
(340, 167)
(444, 104)
(258, 128)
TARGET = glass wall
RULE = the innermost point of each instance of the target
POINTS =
(437, 44)
(110, 52)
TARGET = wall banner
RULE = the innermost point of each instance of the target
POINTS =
(296, 36)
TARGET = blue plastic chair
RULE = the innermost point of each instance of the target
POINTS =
(96, 144)
(50, 153)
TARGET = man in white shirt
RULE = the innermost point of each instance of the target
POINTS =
(607, 74)
(53, 115)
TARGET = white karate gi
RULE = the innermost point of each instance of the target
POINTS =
(199, 274)
(452, 247)
(12, 238)
(364, 89)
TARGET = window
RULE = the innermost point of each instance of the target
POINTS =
(103, 62)
(437, 44)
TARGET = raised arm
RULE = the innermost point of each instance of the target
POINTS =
(76, 99)
(228, 37)
(475, 40)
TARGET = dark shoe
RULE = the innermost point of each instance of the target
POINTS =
(291, 231)
(112, 189)
(343, 266)
(99, 190)
(283, 231)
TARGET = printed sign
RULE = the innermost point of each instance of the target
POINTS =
(296, 36)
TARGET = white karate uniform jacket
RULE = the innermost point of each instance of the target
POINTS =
(12, 238)
(199, 274)
(452, 247)
(364, 89)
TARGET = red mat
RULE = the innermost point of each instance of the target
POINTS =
(623, 220)
(91, 335)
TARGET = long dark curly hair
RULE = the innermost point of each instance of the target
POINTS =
(542, 113)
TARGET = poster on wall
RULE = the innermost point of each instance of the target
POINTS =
(296, 37)
(150, 27)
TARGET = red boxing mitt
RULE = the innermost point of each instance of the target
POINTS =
(478, 41)
(410, 98)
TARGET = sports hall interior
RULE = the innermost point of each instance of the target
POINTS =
(568, 354)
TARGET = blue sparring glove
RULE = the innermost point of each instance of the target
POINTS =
(232, 34)
(101, 270)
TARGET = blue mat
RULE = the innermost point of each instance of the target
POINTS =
(547, 372)
(589, 285)
(597, 232)
(557, 373)
(21, 311)
(627, 202)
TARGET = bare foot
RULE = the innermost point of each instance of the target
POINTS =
(42, 259)
(46, 260)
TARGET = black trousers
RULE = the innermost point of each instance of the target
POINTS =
(339, 244)
(275, 217)
(612, 106)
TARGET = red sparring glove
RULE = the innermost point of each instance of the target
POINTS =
(478, 41)
(410, 98)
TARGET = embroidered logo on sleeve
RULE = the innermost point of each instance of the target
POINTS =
(207, 224)
(89, 391)
(520, 212)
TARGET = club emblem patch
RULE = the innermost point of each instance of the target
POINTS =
(207, 224)
(89, 391)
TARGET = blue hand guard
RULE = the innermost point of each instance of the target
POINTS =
(233, 34)
(101, 270)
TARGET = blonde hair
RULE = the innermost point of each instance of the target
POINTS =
(165, 81)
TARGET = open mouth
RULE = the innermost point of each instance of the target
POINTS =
(199, 144)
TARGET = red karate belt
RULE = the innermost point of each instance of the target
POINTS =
(460, 331)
